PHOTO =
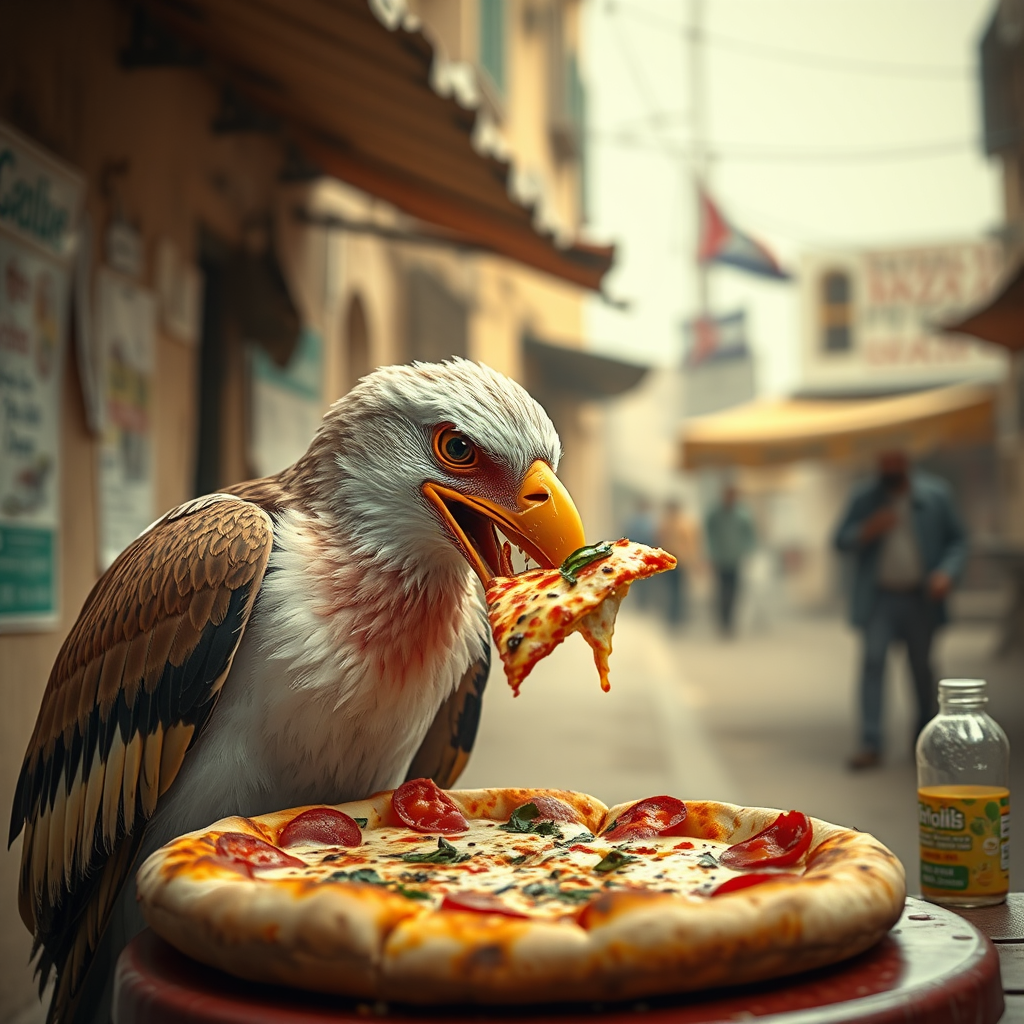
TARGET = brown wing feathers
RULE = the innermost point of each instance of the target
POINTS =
(130, 690)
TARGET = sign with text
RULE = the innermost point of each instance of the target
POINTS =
(870, 317)
(126, 328)
(40, 200)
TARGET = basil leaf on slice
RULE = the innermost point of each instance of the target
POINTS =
(411, 894)
(613, 860)
(523, 820)
(444, 854)
(545, 890)
(368, 875)
(361, 822)
(582, 557)
(583, 837)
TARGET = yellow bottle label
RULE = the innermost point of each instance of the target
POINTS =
(965, 840)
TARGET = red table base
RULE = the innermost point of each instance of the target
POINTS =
(933, 968)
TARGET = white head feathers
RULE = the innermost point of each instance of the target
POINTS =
(373, 451)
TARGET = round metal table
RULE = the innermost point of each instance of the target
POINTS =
(934, 967)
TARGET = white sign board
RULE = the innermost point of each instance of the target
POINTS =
(126, 324)
(870, 318)
(40, 202)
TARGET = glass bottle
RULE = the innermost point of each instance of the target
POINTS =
(963, 800)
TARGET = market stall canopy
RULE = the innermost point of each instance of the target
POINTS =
(585, 374)
(769, 433)
(1001, 319)
(357, 99)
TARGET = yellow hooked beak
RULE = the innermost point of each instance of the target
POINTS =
(544, 523)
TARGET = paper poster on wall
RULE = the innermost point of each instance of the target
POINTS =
(40, 200)
(33, 306)
(125, 328)
(286, 404)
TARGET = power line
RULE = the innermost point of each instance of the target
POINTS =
(740, 152)
(787, 55)
(853, 64)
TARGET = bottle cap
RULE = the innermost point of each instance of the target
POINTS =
(962, 690)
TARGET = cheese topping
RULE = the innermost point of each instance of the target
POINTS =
(533, 612)
(548, 876)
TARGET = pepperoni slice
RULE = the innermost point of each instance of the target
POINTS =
(478, 903)
(426, 808)
(321, 825)
(655, 816)
(782, 843)
(248, 849)
(744, 881)
(550, 808)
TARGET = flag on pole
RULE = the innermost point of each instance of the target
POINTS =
(720, 242)
(716, 338)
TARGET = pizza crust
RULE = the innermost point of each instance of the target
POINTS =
(360, 940)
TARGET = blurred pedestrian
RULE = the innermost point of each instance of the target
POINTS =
(730, 539)
(908, 548)
(679, 535)
(641, 527)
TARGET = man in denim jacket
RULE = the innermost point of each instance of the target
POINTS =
(908, 547)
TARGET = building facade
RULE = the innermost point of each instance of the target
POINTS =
(225, 290)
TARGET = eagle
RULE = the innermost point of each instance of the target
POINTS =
(312, 636)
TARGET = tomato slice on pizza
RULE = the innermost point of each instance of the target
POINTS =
(779, 845)
(532, 612)
(655, 816)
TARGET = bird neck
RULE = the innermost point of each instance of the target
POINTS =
(397, 618)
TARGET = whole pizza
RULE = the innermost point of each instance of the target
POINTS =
(420, 895)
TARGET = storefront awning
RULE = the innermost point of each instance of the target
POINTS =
(584, 374)
(1001, 319)
(770, 433)
(357, 100)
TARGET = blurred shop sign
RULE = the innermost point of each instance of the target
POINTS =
(40, 203)
(124, 248)
(179, 290)
(871, 318)
(39, 197)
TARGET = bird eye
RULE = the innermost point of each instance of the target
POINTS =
(454, 449)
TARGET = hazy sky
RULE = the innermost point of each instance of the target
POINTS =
(835, 122)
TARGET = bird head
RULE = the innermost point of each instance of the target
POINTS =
(432, 464)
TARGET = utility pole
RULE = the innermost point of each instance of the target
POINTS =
(698, 171)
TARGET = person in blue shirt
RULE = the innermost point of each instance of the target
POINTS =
(730, 537)
(907, 547)
(641, 527)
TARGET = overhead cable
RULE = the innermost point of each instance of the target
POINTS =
(808, 58)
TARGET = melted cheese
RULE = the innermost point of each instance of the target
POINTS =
(533, 612)
(545, 877)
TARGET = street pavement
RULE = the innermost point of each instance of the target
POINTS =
(766, 718)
